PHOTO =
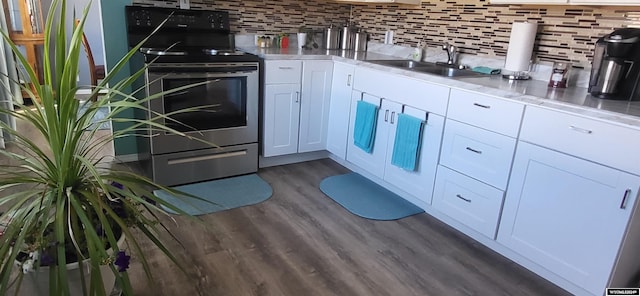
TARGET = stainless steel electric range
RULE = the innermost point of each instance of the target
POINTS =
(196, 47)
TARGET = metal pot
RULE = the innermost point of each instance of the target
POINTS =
(332, 37)
(348, 37)
(360, 41)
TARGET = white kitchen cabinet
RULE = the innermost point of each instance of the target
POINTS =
(475, 204)
(477, 152)
(373, 162)
(281, 119)
(418, 183)
(570, 2)
(567, 214)
(340, 109)
(314, 105)
(416, 2)
(296, 106)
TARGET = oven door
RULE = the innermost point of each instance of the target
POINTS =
(225, 100)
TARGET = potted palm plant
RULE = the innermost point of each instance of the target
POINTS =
(73, 208)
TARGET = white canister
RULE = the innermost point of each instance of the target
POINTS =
(302, 39)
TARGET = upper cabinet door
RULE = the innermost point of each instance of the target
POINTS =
(529, 1)
(417, 2)
(570, 2)
(605, 2)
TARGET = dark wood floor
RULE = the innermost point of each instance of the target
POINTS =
(300, 242)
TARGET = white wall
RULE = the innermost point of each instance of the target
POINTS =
(92, 29)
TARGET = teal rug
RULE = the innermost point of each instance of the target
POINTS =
(221, 194)
(367, 199)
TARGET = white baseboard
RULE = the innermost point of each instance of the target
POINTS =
(264, 162)
(128, 157)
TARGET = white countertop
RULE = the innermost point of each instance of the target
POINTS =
(533, 92)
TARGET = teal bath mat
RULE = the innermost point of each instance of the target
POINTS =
(367, 199)
(222, 194)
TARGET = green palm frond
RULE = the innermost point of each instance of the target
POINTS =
(67, 188)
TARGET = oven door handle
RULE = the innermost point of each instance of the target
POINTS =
(199, 75)
(204, 70)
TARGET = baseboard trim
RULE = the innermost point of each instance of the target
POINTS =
(127, 157)
(264, 162)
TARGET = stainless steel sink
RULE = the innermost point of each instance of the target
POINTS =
(424, 67)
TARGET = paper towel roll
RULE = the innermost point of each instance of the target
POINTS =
(523, 35)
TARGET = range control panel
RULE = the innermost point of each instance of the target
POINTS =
(144, 18)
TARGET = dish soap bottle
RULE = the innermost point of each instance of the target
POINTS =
(417, 53)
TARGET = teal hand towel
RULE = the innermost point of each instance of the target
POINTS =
(486, 70)
(364, 129)
(406, 146)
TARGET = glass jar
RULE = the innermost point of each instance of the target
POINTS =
(559, 74)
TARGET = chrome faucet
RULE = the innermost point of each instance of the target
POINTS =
(452, 53)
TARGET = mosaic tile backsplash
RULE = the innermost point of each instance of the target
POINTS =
(565, 33)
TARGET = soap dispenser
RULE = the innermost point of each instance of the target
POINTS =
(417, 53)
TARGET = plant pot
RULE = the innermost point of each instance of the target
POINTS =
(37, 282)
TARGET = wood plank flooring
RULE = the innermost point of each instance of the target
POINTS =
(300, 242)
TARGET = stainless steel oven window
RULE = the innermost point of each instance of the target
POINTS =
(221, 103)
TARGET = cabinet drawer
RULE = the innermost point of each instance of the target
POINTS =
(288, 71)
(606, 143)
(478, 153)
(469, 201)
(494, 114)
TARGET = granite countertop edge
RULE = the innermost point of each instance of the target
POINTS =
(572, 100)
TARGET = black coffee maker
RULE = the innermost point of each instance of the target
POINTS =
(615, 71)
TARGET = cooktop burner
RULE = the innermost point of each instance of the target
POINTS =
(183, 36)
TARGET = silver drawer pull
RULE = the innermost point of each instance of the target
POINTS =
(386, 115)
(349, 80)
(581, 130)
(205, 157)
(474, 150)
(623, 204)
(461, 197)
(297, 96)
(393, 114)
(285, 68)
(482, 106)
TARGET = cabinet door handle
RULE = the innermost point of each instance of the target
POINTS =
(474, 150)
(285, 68)
(393, 114)
(623, 204)
(581, 130)
(349, 80)
(297, 97)
(482, 106)
(461, 197)
(386, 115)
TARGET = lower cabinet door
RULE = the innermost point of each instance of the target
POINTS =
(339, 108)
(418, 183)
(567, 214)
(373, 162)
(471, 202)
(281, 119)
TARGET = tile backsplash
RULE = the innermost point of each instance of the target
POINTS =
(566, 33)
(270, 16)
